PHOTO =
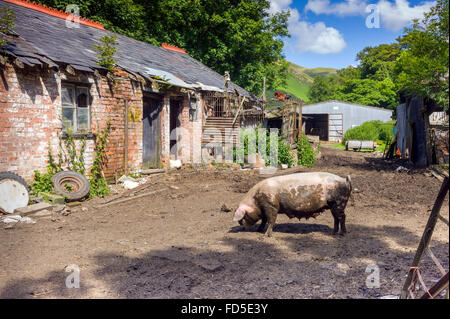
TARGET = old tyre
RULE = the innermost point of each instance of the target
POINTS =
(13, 192)
(73, 186)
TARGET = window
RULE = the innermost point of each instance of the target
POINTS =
(75, 108)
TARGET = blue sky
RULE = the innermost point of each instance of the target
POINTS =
(329, 33)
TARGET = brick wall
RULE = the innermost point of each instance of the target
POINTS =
(31, 120)
(31, 113)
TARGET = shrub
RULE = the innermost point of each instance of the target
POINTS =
(42, 182)
(106, 51)
(306, 154)
(372, 131)
(284, 157)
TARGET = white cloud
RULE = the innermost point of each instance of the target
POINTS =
(312, 37)
(347, 7)
(394, 15)
(398, 15)
(317, 38)
(278, 5)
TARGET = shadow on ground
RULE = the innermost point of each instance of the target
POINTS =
(311, 265)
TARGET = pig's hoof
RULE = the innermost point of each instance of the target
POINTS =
(342, 233)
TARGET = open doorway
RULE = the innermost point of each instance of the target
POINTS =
(318, 125)
(175, 122)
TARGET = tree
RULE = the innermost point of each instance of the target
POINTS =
(238, 36)
(368, 92)
(322, 89)
(423, 66)
(372, 60)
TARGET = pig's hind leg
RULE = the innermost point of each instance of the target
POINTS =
(339, 220)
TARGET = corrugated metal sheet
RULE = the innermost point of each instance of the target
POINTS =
(344, 115)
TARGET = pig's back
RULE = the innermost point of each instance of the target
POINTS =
(302, 179)
(302, 193)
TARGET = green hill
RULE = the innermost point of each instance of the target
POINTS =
(298, 82)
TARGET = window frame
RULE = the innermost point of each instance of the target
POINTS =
(74, 88)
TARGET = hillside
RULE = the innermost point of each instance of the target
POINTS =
(299, 81)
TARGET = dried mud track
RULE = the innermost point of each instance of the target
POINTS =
(179, 244)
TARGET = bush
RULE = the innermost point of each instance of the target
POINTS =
(370, 131)
(306, 154)
(42, 183)
(284, 157)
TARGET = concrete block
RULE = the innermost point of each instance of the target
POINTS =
(42, 213)
(52, 198)
(23, 211)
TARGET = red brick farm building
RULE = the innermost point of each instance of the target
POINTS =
(50, 77)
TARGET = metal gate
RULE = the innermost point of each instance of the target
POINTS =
(336, 126)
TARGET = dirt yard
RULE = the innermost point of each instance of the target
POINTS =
(179, 243)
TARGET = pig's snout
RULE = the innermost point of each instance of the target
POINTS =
(243, 216)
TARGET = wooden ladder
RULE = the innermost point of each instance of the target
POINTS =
(414, 276)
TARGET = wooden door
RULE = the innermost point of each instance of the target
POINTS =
(151, 132)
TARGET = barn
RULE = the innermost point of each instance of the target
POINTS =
(331, 119)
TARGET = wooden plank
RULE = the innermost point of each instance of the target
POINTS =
(437, 288)
(153, 171)
(436, 261)
(130, 198)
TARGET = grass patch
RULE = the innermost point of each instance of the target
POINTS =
(297, 88)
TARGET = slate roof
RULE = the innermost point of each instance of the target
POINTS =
(45, 38)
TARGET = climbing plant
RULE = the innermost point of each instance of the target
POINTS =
(98, 183)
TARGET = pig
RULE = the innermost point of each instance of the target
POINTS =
(301, 195)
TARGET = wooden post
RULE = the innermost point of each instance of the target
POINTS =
(226, 102)
(294, 123)
(300, 122)
(426, 237)
(264, 96)
(125, 134)
(264, 90)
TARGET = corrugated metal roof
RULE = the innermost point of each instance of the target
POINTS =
(334, 102)
(46, 36)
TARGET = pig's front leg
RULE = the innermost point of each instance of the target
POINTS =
(263, 223)
(342, 221)
(336, 224)
(271, 214)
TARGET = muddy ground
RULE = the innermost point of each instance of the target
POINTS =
(178, 243)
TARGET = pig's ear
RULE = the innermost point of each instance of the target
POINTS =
(238, 214)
